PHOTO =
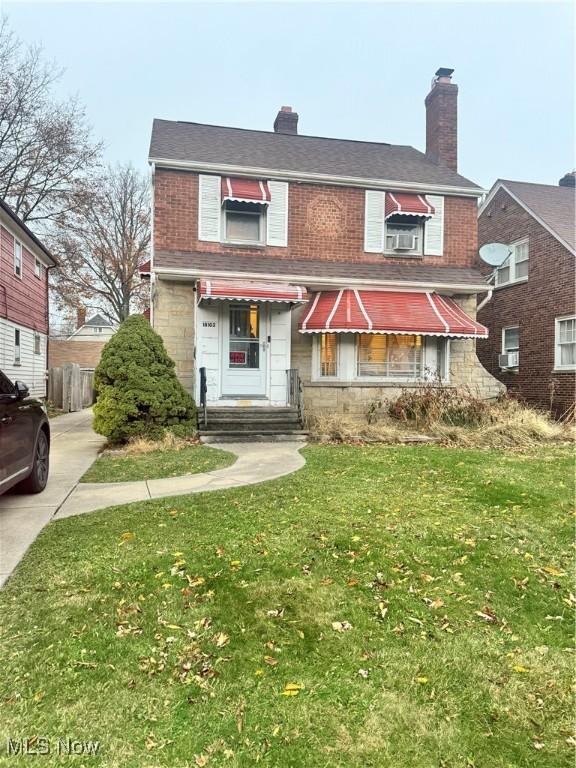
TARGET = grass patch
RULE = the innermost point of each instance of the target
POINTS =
(383, 606)
(144, 460)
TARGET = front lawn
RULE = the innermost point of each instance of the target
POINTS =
(384, 606)
(116, 467)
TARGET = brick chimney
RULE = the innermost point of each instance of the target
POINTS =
(442, 120)
(286, 121)
(568, 180)
(80, 317)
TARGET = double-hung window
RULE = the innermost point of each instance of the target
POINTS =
(515, 268)
(17, 259)
(565, 343)
(37, 344)
(38, 268)
(244, 222)
(511, 346)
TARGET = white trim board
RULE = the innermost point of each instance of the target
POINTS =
(318, 178)
(501, 185)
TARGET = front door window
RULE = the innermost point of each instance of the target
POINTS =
(244, 346)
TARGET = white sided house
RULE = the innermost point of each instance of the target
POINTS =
(24, 265)
(96, 328)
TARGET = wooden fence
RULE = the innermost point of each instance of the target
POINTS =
(71, 387)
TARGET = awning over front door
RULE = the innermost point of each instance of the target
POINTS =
(251, 290)
(423, 314)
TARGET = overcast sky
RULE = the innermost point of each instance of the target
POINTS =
(351, 70)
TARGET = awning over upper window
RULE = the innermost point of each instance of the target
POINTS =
(400, 203)
(245, 190)
(353, 311)
(251, 290)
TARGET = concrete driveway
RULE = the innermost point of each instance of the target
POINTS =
(22, 516)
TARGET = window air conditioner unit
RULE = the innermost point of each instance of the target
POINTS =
(509, 360)
(404, 242)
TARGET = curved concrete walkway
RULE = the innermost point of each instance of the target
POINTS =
(75, 446)
(256, 463)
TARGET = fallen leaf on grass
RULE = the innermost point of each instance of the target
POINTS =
(520, 668)
(292, 689)
(363, 673)
(271, 660)
(275, 613)
(200, 760)
(221, 639)
(126, 536)
(422, 680)
(341, 626)
(327, 581)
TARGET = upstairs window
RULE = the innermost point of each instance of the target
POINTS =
(38, 269)
(244, 203)
(17, 259)
(404, 235)
(565, 347)
(515, 268)
(37, 344)
(244, 222)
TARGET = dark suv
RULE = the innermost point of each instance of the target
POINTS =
(24, 439)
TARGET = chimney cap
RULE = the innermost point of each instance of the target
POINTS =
(285, 109)
(444, 72)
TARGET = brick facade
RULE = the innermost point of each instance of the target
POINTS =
(324, 222)
(532, 306)
(86, 353)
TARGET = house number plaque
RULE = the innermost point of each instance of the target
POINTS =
(208, 323)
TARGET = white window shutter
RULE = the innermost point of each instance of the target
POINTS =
(374, 222)
(209, 208)
(277, 214)
(434, 228)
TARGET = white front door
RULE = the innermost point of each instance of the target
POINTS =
(244, 349)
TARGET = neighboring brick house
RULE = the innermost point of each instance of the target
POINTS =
(24, 265)
(531, 315)
(350, 262)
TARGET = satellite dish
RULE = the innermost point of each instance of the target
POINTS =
(495, 254)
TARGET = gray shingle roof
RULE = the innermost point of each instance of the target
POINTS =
(98, 320)
(309, 268)
(555, 206)
(196, 142)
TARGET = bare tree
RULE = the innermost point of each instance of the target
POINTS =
(100, 245)
(46, 149)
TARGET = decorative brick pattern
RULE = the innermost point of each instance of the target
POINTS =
(324, 222)
(532, 305)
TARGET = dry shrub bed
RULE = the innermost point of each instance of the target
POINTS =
(142, 445)
(450, 416)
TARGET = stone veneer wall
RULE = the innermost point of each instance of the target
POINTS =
(328, 397)
(174, 303)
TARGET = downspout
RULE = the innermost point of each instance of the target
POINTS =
(48, 268)
(485, 300)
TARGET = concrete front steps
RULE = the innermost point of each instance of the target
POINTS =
(252, 424)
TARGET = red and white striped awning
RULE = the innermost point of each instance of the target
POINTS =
(251, 290)
(400, 203)
(396, 312)
(245, 190)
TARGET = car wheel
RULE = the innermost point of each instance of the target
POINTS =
(37, 479)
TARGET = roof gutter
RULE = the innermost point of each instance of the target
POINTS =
(464, 288)
(316, 178)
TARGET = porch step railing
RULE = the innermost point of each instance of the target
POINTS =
(295, 398)
(203, 399)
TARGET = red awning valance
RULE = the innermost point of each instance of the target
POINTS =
(353, 311)
(407, 205)
(251, 290)
(245, 190)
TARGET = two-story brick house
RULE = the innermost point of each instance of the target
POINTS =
(24, 265)
(352, 262)
(532, 314)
